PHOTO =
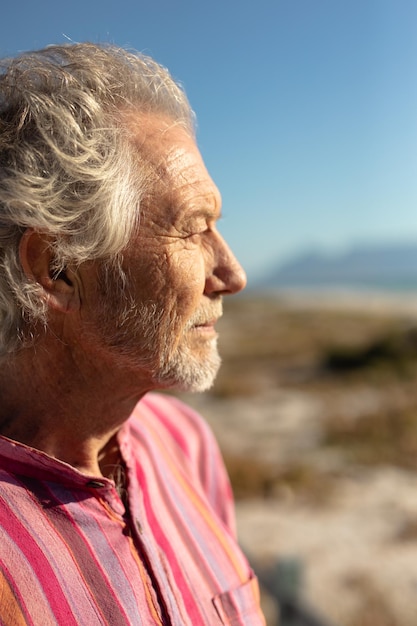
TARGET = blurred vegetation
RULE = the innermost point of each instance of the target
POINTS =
(263, 342)
(253, 478)
(381, 438)
(335, 355)
(394, 351)
(375, 609)
(361, 367)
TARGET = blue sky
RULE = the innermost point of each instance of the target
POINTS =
(307, 109)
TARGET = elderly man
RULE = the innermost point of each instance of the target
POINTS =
(114, 504)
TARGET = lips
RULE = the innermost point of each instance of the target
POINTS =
(208, 324)
(205, 319)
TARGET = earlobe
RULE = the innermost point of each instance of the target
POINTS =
(36, 258)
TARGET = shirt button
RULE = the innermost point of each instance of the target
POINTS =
(95, 483)
(139, 526)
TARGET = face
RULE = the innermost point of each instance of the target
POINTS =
(175, 271)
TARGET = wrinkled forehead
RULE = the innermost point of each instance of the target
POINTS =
(171, 154)
(158, 139)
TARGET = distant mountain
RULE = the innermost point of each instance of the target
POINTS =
(387, 266)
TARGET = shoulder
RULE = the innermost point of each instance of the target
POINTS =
(187, 439)
(177, 422)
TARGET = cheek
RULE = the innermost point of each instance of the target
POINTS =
(185, 280)
(149, 276)
(171, 277)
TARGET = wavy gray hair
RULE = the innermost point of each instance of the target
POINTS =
(66, 166)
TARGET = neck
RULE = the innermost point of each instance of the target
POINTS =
(70, 410)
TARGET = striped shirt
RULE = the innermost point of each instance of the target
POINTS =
(71, 554)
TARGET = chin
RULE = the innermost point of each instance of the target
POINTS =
(187, 372)
(198, 385)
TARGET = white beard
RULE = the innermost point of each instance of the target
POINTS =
(143, 334)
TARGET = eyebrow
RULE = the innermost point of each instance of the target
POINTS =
(209, 212)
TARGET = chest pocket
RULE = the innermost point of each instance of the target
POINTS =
(240, 607)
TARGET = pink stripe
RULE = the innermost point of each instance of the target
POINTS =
(93, 574)
(162, 411)
(190, 605)
(40, 566)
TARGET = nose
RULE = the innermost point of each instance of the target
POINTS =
(226, 275)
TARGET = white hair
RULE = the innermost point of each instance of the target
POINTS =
(67, 168)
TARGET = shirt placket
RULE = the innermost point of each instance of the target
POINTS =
(134, 523)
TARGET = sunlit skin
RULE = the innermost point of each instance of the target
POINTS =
(85, 373)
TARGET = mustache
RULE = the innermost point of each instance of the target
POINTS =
(205, 315)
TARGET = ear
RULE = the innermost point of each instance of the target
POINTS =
(36, 257)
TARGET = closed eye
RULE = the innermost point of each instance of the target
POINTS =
(201, 227)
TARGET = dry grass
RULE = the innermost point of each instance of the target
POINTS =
(252, 478)
(384, 438)
(264, 343)
(337, 358)
(374, 607)
(328, 353)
